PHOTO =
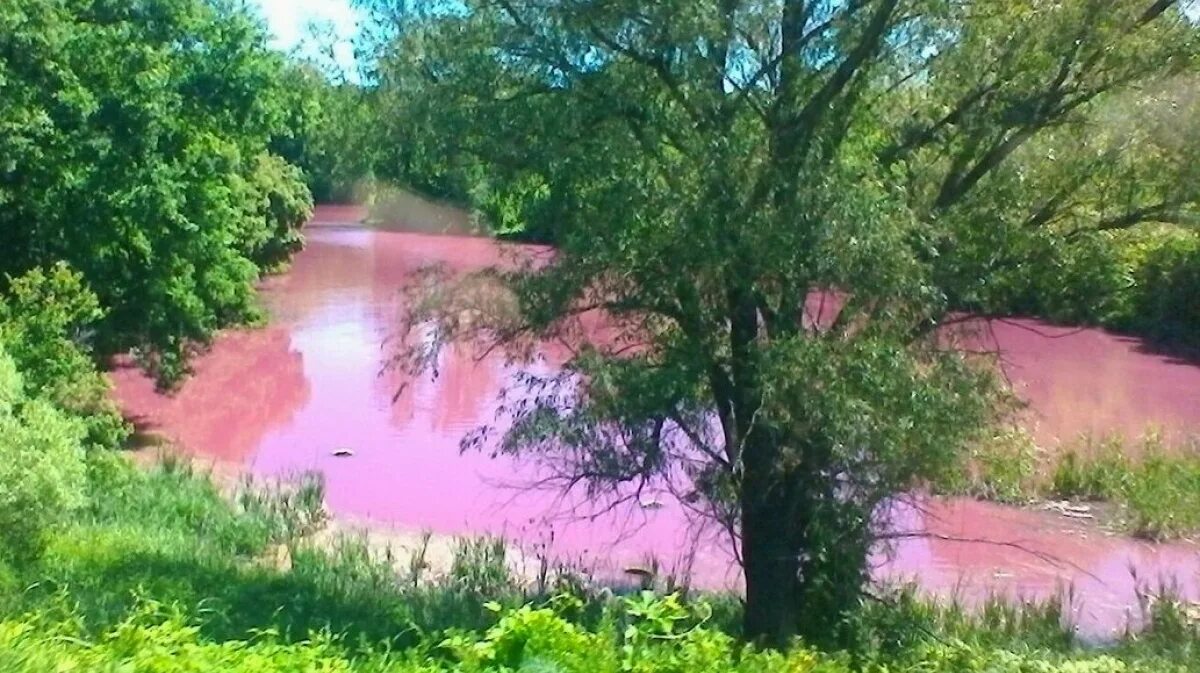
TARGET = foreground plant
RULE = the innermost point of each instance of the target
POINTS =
(650, 639)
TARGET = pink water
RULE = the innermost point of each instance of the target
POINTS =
(281, 400)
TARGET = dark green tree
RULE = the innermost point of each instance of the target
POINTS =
(337, 135)
(774, 204)
(133, 145)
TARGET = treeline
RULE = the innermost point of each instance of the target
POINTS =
(1113, 240)
(137, 147)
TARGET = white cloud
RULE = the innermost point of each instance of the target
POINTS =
(288, 21)
(288, 18)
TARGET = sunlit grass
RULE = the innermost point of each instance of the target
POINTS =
(163, 561)
(1154, 488)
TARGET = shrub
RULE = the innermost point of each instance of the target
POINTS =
(279, 204)
(1165, 284)
(41, 466)
(45, 320)
(1144, 280)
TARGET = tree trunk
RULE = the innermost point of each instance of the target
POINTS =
(804, 549)
(772, 568)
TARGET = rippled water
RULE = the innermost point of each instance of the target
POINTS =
(282, 399)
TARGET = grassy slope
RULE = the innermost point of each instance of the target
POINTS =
(160, 573)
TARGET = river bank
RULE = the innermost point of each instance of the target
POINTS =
(308, 392)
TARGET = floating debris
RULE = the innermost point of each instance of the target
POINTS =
(1070, 510)
(343, 452)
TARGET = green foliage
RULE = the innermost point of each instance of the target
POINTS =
(1163, 496)
(46, 318)
(170, 534)
(1102, 475)
(480, 566)
(281, 205)
(41, 466)
(1157, 490)
(160, 639)
(1001, 467)
(1166, 281)
(291, 510)
(336, 135)
(134, 140)
(775, 205)
(43, 318)
(159, 571)
(1141, 281)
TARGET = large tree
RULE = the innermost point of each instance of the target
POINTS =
(775, 204)
(133, 145)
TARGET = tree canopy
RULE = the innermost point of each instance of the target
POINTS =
(777, 205)
(134, 146)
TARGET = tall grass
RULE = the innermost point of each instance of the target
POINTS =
(1155, 488)
(163, 572)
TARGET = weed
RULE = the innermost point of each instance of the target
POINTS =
(1002, 467)
(1156, 489)
(290, 509)
(1163, 497)
(1101, 476)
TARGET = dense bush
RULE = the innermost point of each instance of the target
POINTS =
(1143, 281)
(1164, 293)
(280, 206)
(46, 321)
(335, 139)
(134, 141)
(41, 465)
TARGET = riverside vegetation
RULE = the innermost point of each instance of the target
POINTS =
(1154, 488)
(701, 168)
(105, 566)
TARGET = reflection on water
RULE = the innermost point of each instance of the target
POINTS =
(283, 399)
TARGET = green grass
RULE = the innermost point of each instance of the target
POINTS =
(1163, 497)
(1158, 491)
(170, 535)
(162, 572)
(640, 634)
(1096, 471)
(1155, 490)
(1001, 468)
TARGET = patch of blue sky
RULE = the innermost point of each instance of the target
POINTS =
(290, 23)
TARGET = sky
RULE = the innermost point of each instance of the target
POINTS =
(288, 20)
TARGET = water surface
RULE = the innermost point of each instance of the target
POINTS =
(283, 399)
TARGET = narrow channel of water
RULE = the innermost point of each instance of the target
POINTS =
(283, 399)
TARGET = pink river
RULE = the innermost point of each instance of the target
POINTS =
(281, 400)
